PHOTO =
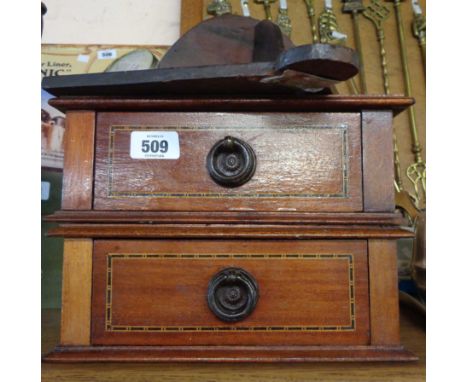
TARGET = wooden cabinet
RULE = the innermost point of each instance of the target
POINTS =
(294, 262)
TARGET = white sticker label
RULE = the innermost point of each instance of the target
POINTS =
(45, 190)
(245, 8)
(82, 58)
(154, 145)
(416, 7)
(109, 54)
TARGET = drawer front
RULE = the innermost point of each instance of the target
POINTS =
(155, 292)
(304, 162)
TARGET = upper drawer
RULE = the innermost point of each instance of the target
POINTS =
(304, 162)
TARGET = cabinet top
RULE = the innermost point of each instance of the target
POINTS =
(325, 103)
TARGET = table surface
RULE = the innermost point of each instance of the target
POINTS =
(413, 337)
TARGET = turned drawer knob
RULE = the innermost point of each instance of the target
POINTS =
(232, 294)
(231, 162)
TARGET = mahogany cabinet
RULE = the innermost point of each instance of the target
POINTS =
(251, 230)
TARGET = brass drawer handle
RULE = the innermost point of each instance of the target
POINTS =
(232, 294)
(231, 162)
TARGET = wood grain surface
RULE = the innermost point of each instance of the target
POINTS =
(191, 13)
(232, 231)
(377, 161)
(305, 162)
(76, 292)
(412, 334)
(240, 217)
(78, 166)
(383, 291)
(221, 45)
(315, 293)
(318, 103)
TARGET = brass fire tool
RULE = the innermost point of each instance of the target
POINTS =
(378, 13)
(219, 7)
(329, 34)
(311, 13)
(267, 6)
(416, 172)
(419, 29)
(283, 20)
(355, 7)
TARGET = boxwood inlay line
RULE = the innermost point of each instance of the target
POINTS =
(110, 327)
(111, 193)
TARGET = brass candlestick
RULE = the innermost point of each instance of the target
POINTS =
(355, 7)
(311, 14)
(329, 34)
(267, 6)
(219, 7)
(328, 26)
(283, 20)
(416, 172)
(419, 29)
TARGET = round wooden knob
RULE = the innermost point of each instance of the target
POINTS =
(232, 294)
(231, 162)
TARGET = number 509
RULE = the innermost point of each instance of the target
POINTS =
(154, 146)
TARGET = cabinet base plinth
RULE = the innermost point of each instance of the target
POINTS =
(229, 354)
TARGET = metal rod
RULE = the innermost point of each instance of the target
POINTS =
(266, 6)
(355, 7)
(311, 13)
(416, 147)
(353, 86)
(357, 38)
(383, 60)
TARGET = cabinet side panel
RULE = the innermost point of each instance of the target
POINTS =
(383, 288)
(76, 292)
(377, 160)
(77, 191)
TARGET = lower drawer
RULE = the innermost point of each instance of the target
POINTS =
(155, 292)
